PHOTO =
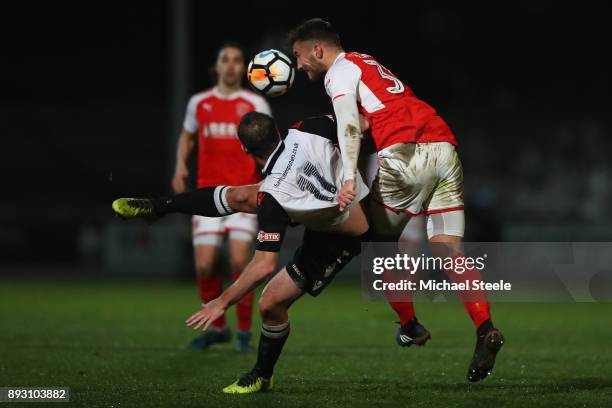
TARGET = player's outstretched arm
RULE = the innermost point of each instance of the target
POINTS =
(273, 222)
(259, 269)
(216, 201)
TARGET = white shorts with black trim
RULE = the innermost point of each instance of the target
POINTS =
(211, 230)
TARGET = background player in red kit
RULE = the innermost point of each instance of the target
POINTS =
(213, 117)
(419, 169)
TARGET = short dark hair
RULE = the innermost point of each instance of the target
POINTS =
(315, 29)
(232, 44)
(212, 74)
(258, 134)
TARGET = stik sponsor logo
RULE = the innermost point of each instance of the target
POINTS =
(264, 236)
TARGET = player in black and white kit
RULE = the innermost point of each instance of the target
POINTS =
(302, 174)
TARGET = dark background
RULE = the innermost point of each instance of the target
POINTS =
(92, 98)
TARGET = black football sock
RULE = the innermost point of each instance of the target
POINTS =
(271, 344)
(207, 201)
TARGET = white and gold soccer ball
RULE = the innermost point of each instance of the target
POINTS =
(271, 72)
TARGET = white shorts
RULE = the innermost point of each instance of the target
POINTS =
(418, 178)
(211, 230)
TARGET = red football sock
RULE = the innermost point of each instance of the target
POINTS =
(211, 288)
(402, 304)
(404, 310)
(474, 301)
(478, 311)
(244, 308)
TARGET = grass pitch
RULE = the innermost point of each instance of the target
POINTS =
(123, 345)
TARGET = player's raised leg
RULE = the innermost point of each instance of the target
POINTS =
(216, 201)
(278, 295)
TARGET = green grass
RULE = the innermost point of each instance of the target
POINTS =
(123, 345)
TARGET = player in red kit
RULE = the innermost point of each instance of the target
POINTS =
(212, 117)
(419, 169)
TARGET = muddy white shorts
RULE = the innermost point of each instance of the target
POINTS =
(418, 178)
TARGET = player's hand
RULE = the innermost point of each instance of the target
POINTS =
(347, 194)
(210, 312)
(178, 181)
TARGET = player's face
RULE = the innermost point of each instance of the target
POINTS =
(309, 57)
(230, 66)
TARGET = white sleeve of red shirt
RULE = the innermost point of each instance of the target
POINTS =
(342, 78)
(341, 84)
(190, 123)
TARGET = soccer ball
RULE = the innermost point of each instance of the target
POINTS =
(271, 72)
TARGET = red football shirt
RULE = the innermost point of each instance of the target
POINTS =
(215, 118)
(395, 114)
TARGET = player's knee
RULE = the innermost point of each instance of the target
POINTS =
(269, 308)
(238, 198)
(265, 304)
(240, 195)
(204, 270)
